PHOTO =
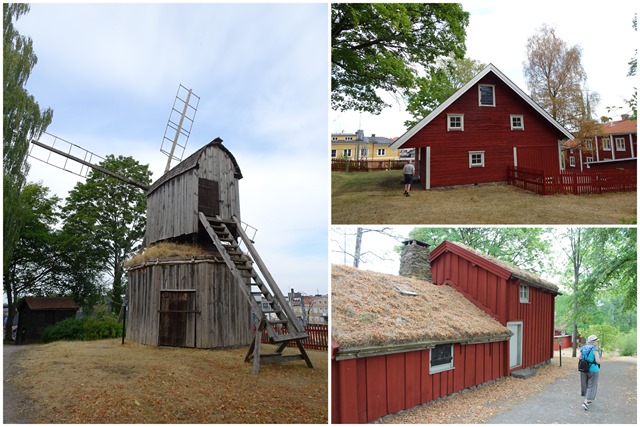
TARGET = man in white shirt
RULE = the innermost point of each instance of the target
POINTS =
(408, 170)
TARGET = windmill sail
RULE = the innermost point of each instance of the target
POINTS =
(179, 125)
(72, 158)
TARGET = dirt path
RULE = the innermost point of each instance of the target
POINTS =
(16, 406)
(559, 402)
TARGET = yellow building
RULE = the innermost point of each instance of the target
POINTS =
(356, 146)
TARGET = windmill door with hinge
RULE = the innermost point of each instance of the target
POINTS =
(177, 318)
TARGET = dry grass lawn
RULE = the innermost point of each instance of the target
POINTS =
(376, 198)
(106, 382)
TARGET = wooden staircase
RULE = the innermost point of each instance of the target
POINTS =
(278, 320)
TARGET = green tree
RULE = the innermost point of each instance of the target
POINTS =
(34, 263)
(107, 218)
(22, 120)
(527, 248)
(383, 46)
(441, 82)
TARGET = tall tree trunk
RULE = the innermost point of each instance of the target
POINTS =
(356, 255)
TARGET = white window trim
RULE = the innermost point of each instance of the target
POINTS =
(572, 161)
(623, 146)
(588, 144)
(449, 128)
(381, 151)
(475, 165)
(589, 159)
(493, 92)
(521, 117)
(525, 299)
(608, 141)
(441, 368)
(344, 152)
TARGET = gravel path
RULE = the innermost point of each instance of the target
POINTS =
(16, 406)
(560, 402)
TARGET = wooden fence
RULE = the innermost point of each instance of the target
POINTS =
(347, 165)
(569, 182)
(317, 339)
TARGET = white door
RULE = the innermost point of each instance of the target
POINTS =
(515, 344)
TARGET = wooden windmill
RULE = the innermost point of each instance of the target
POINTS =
(205, 301)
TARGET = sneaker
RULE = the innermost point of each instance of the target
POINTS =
(408, 194)
(585, 406)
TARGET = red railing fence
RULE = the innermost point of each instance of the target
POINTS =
(317, 339)
(570, 182)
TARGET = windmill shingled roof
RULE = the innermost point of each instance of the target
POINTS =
(192, 162)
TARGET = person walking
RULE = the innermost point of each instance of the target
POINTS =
(408, 170)
(589, 380)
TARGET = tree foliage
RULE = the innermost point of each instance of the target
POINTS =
(440, 83)
(105, 219)
(556, 78)
(383, 46)
(22, 120)
(527, 248)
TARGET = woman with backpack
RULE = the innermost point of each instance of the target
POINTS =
(589, 380)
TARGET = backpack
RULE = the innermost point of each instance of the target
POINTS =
(583, 364)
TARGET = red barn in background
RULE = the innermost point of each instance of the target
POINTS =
(485, 127)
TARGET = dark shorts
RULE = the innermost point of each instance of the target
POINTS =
(408, 178)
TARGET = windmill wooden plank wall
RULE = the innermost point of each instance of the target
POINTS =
(221, 315)
(207, 180)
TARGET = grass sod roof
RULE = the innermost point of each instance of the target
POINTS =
(166, 250)
(521, 274)
(369, 310)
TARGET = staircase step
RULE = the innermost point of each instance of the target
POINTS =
(290, 337)
(279, 321)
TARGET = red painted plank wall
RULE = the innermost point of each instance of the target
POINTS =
(501, 299)
(486, 129)
(366, 389)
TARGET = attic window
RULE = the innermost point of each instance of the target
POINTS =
(455, 122)
(524, 294)
(517, 122)
(486, 95)
(441, 358)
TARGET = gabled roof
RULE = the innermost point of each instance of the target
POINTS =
(494, 265)
(619, 127)
(50, 303)
(373, 310)
(470, 84)
(191, 162)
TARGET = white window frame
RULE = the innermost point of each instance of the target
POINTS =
(443, 367)
(524, 294)
(493, 94)
(606, 144)
(381, 151)
(363, 152)
(621, 144)
(348, 138)
(473, 164)
(517, 116)
(345, 151)
(334, 153)
(455, 128)
(572, 161)
(589, 159)
(588, 144)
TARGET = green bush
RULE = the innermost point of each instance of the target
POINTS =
(627, 344)
(85, 329)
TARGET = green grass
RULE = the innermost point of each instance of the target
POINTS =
(377, 198)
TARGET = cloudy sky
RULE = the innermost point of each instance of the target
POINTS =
(111, 73)
(498, 33)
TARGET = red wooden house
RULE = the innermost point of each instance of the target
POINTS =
(487, 126)
(403, 341)
(615, 146)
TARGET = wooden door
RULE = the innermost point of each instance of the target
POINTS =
(208, 197)
(515, 344)
(176, 307)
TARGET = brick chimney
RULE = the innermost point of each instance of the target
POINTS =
(414, 260)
